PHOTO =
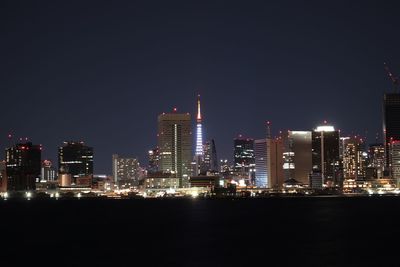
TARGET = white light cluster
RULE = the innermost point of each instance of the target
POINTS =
(325, 128)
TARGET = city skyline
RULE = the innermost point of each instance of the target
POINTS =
(104, 81)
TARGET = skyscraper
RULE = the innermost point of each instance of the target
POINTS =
(3, 176)
(23, 166)
(376, 159)
(175, 144)
(275, 149)
(325, 154)
(298, 156)
(210, 162)
(244, 161)
(394, 160)
(353, 157)
(391, 121)
(154, 160)
(260, 154)
(76, 159)
(125, 170)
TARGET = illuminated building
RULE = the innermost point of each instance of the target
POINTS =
(154, 160)
(260, 154)
(76, 159)
(225, 167)
(394, 160)
(391, 121)
(325, 154)
(162, 180)
(353, 157)
(23, 166)
(315, 180)
(175, 145)
(207, 181)
(3, 177)
(48, 173)
(125, 170)
(376, 160)
(275, 149)
(210, 162)
(244, 160)
(298, 156)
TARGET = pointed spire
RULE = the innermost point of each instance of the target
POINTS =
(198, 108)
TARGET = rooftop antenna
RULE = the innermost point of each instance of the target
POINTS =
(268, 124)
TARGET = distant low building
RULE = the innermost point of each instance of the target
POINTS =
(207, 181)
(48, 173)
(161, 181)
(316, 180)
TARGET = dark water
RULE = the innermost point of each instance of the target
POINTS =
(354, 231)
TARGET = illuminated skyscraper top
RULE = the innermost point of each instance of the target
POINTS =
(199, 132)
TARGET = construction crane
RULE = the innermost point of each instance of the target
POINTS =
(393, 78)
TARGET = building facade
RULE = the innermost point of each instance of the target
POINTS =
(48, 173)
(175, 145)
(298, 156)
(125, 170)
(391, 121)
(275, 161)
(154, 160)
(261, 160)
(376, 160)
(244, 160)
(354, 157)
(76, 159)
(325, 154)
(394, 161)
(23, 165)
(210, 162)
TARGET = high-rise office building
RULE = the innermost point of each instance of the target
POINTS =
(353, 157)
(48, 173)
(125, 170)
(154, 160)
(23, 166)
(76, 159)
(298, 156)
(394, 160)
(391, 121)
(325, 154)
(210, 162)
(175, 145)
(244, 160)
(376, 159)
(3, 176)
(275, 150)
(260, 154)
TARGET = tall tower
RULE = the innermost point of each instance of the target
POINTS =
(325, 154)
(175, 145)
(391, 122)
(199, 153)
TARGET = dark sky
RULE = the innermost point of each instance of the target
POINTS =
(102, 71)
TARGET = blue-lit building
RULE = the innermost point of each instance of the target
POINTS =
(260, 153)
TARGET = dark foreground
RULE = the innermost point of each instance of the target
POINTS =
(298, 231)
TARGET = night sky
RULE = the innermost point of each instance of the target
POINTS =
(102, 71)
